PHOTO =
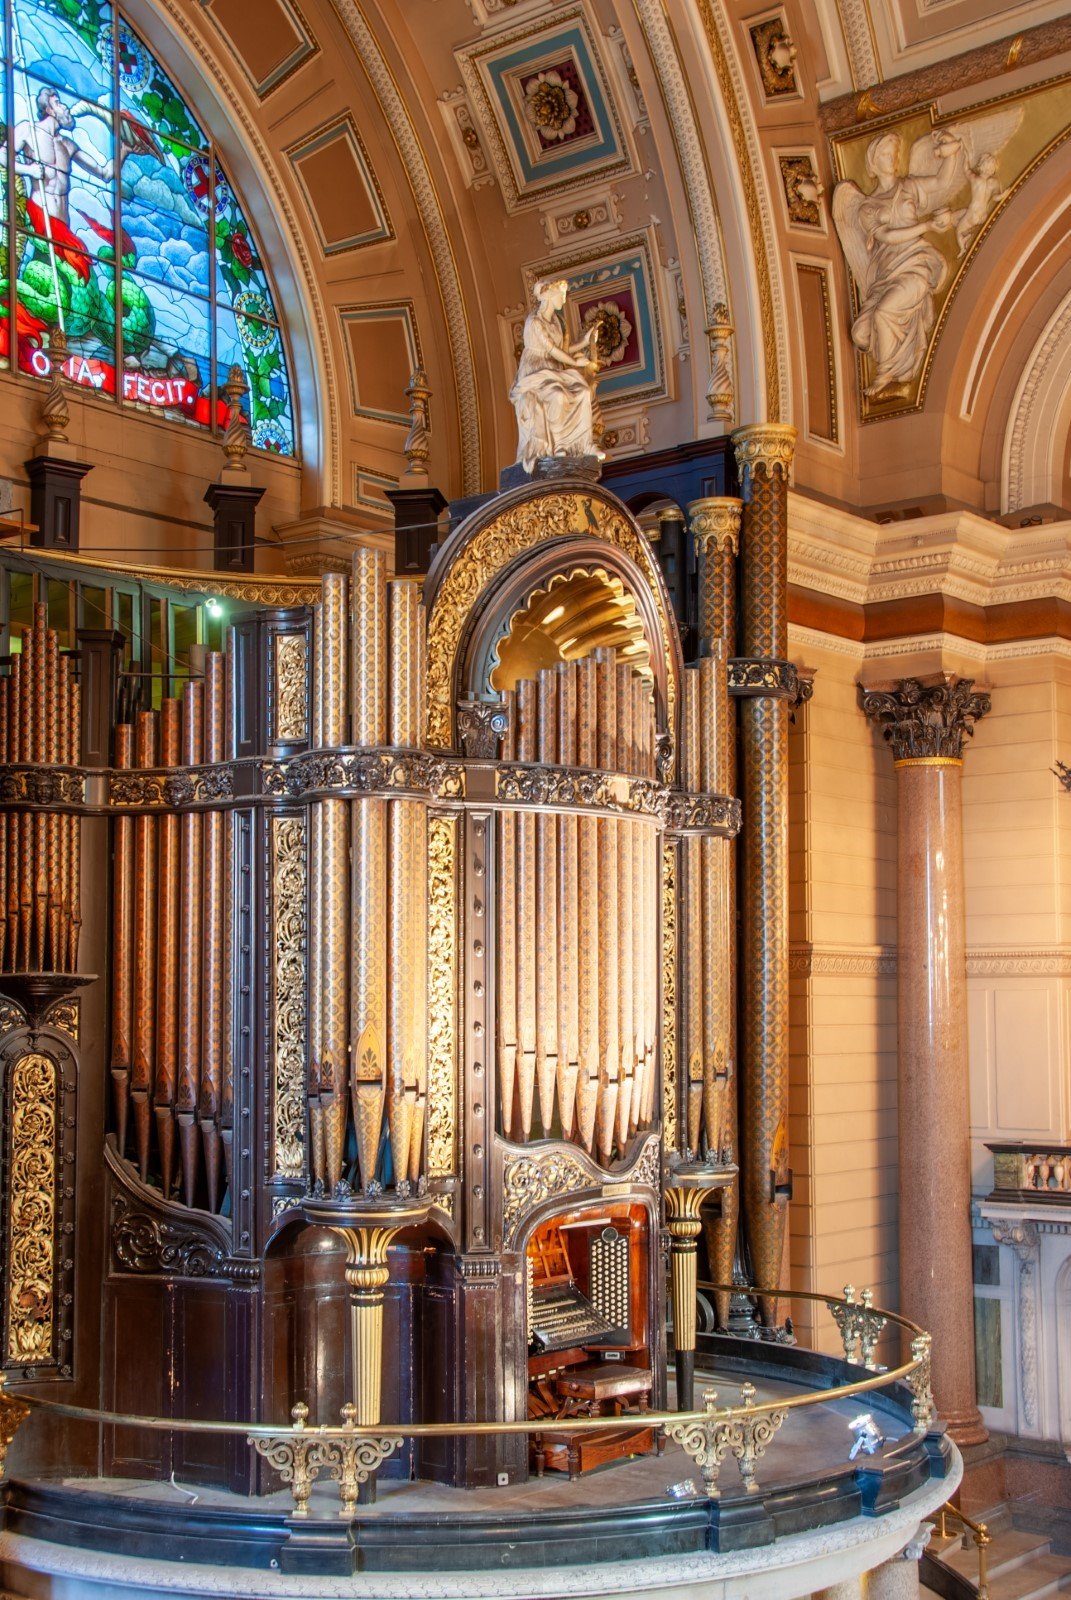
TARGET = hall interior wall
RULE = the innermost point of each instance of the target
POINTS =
(842, 997)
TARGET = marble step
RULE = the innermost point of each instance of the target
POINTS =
(1021, 1566)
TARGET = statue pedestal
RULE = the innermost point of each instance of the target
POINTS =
(587, 468)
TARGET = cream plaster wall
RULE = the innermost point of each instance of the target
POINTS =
(842, 1006)
(1017, 858)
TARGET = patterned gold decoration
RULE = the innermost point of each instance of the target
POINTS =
(764, 454)
(13, 1412)
(334, 932)
(744, 1434)
(368, 646)
(442, 995)
(291, 699)
(494, 547)
(32, 1211)
(289, 868)
(406, 662)
(670, 1087)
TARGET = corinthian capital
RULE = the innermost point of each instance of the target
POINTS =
(715, 523)
(769, 445)
(927, 721)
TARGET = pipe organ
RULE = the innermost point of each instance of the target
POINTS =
(418, 990)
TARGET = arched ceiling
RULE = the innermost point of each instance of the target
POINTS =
(413, 166)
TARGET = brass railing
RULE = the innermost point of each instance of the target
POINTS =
(971, 1532)
(350, 1454)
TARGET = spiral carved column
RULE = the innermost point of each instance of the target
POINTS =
(764, 455)
(925, 724)
(715, 526)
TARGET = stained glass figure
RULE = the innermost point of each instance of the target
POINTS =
(127, 232)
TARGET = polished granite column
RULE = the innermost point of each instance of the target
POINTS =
(925, 723)
(764, 455)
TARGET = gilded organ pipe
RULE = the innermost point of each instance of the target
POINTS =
(609, 971)
(547, 910)
(568, 911)
(626, 868)
(527, 911)
(589, 941)
(691, 927)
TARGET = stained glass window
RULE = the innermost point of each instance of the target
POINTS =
(119, 226)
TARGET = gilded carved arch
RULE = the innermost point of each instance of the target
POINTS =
(516, 528)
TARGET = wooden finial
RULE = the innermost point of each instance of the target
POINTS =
(55, 412)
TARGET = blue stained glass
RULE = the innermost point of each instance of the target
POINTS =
(177, 214)
(49, 49)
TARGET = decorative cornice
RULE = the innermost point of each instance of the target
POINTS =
(171, 789)
(925, 721)
(715, 523)
(616, 794)
(810, 960)
(42, 786)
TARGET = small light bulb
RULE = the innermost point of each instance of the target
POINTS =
(214, 608)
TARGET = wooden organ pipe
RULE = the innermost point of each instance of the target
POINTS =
(568, 912)
(527, 911)
(692, 927)
(506, 941)
(230, 892)
(167, 949)
(368, 852)
(546, 910)
(122, 947)
(191, 843)
(143, 1053)
(38, 735)
(212, 881)
(589, 941)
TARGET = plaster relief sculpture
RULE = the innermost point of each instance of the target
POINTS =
(891, 237)
(554, 390)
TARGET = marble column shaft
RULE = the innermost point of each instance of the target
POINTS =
(925, 723)
(715, 526)
(764, 454)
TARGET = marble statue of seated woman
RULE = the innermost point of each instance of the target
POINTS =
(554, 390)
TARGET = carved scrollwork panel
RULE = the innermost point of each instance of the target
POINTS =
(289, 883)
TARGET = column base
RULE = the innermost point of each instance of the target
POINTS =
(965, 1427)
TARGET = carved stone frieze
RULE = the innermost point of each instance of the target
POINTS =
(927, 721)
(41, 786)
(366, 772)
(530, 1178)
(188, 786)
(481, 727)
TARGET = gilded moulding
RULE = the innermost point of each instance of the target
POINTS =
(291, 652)
(441, 1157)
(171, 789)
(617, 794)
(513, 532)
(289, 1018)
(532, 1177)
(42, 786)
(751, 676)
(366, 772)
(31, 1180)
